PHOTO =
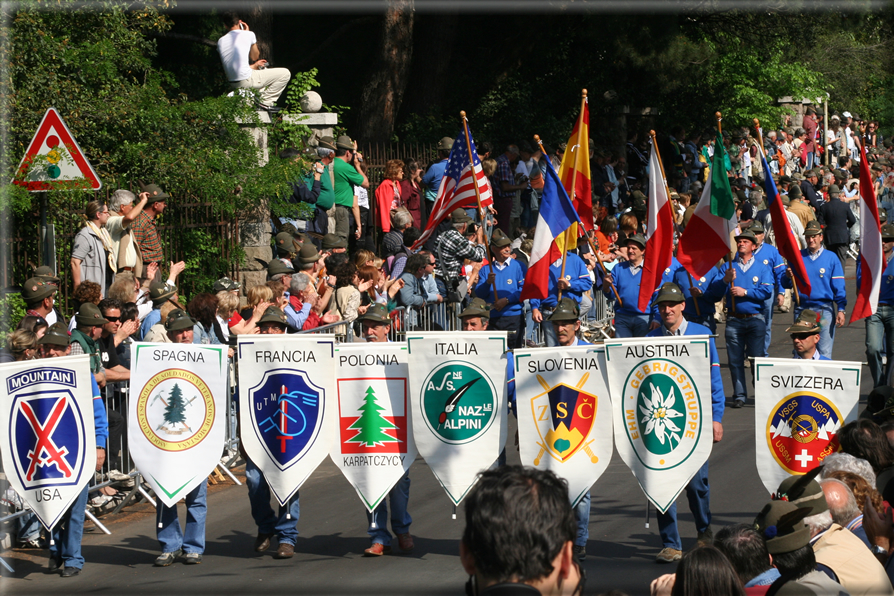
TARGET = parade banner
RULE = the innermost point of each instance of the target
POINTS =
(799, 407)
(564, 413)
(375, 445)
(49, 453)
(286, 406)
(661, 397)
(176, 423)
(458, 402)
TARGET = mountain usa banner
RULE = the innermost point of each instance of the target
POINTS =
(375, 446)
(661, 398)
(49, 453)
(564, 413)
(458, 401)
(176, 421)
(287, 409)
(799, 407)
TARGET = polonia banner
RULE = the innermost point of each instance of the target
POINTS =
(706, 238)
(458, 400)
(176, 421)
(799, 407)
(659, 232)
(661, 402)
(871, 255)
(287, 406)
(46, 413)
(375, 446)
(564, 414)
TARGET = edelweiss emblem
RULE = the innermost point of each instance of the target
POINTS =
(658, 412)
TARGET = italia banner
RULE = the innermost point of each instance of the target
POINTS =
(286, 406)
(375, 445)
(661, 398)
(458, 402)
(799, 407)
(564, 413)
(177, 412)
(49, 449)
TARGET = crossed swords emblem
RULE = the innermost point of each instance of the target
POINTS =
(543, 448)
(45, 444)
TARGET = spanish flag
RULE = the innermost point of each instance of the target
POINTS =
(575, 169)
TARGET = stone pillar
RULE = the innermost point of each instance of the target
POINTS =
(321, 124)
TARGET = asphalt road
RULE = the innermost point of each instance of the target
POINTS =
(328, 557)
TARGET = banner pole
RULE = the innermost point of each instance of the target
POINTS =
(729, 260)
(481, 214)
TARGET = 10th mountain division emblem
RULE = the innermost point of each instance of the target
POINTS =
(458, 401)
(802, 430)
(663, 413)
(175, 410)
(564, 416)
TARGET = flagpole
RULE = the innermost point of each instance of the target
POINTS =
(668, 194)
(760, 142)
(728, 258)
(490, 257)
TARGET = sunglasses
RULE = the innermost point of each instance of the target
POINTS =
(112, 319)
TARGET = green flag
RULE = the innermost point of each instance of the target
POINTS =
(722, 203)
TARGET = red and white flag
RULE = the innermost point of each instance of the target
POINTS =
(872, 259)
(659, 232)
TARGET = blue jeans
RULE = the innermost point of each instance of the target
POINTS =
(582, 515)
(530, 325)
(65, 545)
(827, 328)
(284, 524)
(627, 325)
(400, 519)
(699, 494)
(167, 524)
(743, 337)
(880, 340)
(810, 161)
(706, 319)
(768, 317)
(549, 332)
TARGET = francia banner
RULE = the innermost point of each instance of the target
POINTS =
(458, 401)
(564, 413)
(177, 412)
(375, 445)
(287, 406)
(661, 397)
(799, 407)
(49, 444)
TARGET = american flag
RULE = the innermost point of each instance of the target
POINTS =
(458, 186)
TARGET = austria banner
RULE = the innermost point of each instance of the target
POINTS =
(286, 406)
(375, 445)
(799, 407)
(49, 453)
(564, 414)
(706, 238)
(661, 399)
(458, 401)
(177, 413)
(659, 232)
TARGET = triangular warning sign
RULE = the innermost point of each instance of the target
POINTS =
(54, 156)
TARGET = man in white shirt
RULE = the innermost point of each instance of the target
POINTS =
(240, 56)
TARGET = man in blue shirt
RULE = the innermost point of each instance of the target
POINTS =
(827, 291)
(508, 276)
(880, 326)
(432, 178)
(770, 257)
(805, 335)
(745, 325)
(671, 302)
(706, 290)
(630, 321)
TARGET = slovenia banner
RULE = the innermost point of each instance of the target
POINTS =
(375, 445)
(661, 400)
(286, 406)
(564, 414)
(799, 407)
(458, 400)
(177, 413)
(49, 453)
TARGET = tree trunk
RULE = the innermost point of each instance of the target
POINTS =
(437, 38)
(260, 20)
(383, 93)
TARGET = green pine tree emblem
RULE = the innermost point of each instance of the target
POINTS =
(174, 412)
(371, 425)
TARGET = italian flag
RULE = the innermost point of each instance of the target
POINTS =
(706, 238)
(659, 232)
